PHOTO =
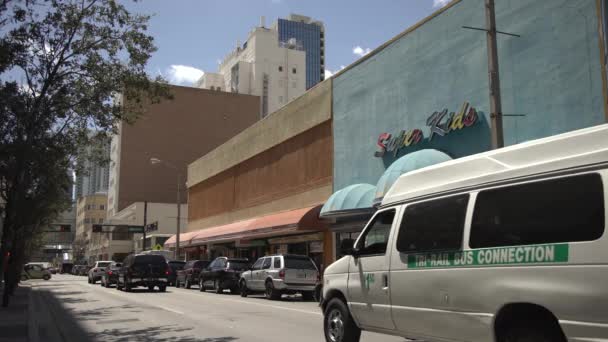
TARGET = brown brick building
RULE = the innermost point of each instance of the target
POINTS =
(176, 131)
(261, 191)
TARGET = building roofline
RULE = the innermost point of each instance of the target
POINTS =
(397, 37)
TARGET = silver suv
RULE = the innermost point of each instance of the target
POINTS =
(97, 271)
(281, 274)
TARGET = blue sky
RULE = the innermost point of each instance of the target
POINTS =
(192, 35)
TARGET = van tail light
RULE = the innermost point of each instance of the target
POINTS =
(168, 271)
(95, 269)
(282, 274)
(109, 272)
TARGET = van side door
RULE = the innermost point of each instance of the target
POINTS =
(368, 273)
(426, 288)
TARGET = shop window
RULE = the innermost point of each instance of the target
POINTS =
(433, 225)
(293, 70)
(375, 240)
(280, 68)
(101, 207)
(266, 264)
(557, 210)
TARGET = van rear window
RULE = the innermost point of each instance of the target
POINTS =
(557, 210)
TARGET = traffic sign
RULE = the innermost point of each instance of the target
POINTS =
(158, 247)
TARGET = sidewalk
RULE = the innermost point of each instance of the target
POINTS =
(14, 319)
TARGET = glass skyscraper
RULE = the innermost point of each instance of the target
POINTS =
(310, 35)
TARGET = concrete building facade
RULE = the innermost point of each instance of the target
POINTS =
(90, 210)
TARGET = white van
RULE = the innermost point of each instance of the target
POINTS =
(505, 246)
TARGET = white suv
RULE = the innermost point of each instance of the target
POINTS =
(98, 270)
(281, 274)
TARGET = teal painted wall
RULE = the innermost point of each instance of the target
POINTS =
(551, 74)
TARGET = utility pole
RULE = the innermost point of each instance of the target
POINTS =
(494, 78)
(178, 217)
(145, 223)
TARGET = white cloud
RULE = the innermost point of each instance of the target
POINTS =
(329, 73)
(183, 74)
(440, 3)
(359, 51)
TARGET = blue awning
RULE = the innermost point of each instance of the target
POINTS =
(410, 162)
(353, 198)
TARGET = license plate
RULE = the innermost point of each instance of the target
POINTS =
(301, 275)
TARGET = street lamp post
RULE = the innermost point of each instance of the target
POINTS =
(155, 161)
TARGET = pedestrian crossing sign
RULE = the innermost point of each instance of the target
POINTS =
(158, 247)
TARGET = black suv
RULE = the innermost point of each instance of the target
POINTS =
(147, 270)
(223, 273)
(190, 272)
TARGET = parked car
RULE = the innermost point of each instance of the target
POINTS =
(223, 273)
(146, 270)
(97, 270)
(174, 267)
(281, 274)
(35, 271)
(52, 269)
(110, 275)
(84, 270)
(190, 273)
(76, 269)
(66, 267)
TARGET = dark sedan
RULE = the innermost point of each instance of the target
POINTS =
(110, 276)
(188, 276)
(223, 273)
(174, 268)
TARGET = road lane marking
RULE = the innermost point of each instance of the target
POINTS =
(119, 294)
(254, 303)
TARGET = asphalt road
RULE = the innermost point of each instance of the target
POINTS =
(81, 311)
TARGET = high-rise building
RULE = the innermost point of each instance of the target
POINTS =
(311, 35)
(278, 64)
(95, 177)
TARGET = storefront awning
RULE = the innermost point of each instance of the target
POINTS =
(287, 222)
(356, 198)
(410, 162)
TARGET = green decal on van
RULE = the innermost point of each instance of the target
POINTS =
(491, 256)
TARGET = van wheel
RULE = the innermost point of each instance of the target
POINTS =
(244, 289)
(532, 333)
(188, 285)
(338, 325)
(272, 293)
(127, 285)
(46, 277)
(162, 288)
(308, 296)
(201, 285)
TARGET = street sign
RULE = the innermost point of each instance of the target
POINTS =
(158, 247)
(135, 229)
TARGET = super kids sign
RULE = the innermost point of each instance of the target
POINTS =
(440, 123)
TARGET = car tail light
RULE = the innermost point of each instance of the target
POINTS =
(109, 272)
(95, 270)
(282, 274)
